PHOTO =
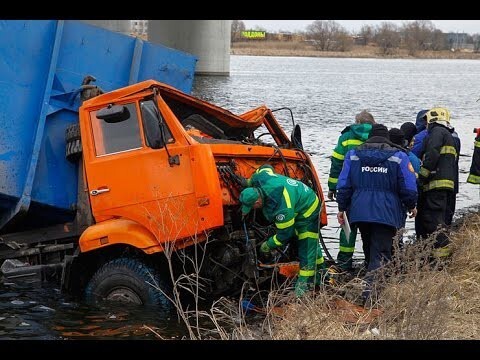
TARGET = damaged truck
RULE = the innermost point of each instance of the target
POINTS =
(123, 191)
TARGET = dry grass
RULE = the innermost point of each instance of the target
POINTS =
(416, 299)
(292, 48)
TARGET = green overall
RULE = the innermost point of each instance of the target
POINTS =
(294, 207)
(351, 137)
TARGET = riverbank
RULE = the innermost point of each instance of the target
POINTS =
(278, 48)
(418, 300)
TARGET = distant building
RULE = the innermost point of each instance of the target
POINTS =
(139, 27)
(359, 40)
(458, 41)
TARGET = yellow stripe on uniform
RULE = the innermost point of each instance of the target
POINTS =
(352, 142)
(441, 252)
(424, 172)
(333, 180)
(448, 150)
(285, 225)
(275, 240)
(473, 179)
(438, 184)
(267, 170)
(320, 260)
(338, 156)
(311, 209)
(306, 273)
(307, 234)
(347, 249)
(286, 195)
(477, 143)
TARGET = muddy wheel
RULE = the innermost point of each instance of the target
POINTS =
(73, 143)
(127, 280)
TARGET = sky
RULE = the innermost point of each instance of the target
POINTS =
(467, 26)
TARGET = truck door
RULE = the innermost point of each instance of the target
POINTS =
(128, 178)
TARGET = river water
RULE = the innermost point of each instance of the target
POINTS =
(324, 95)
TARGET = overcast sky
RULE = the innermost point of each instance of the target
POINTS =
(467, 26)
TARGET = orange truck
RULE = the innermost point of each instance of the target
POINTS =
(160, 172)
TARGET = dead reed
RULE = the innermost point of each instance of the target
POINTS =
(415, 298)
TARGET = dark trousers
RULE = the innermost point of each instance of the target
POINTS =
(451, 202)
(377, 247)
(432, 212)
(377, 243)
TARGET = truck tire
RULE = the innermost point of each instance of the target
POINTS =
(73, 143)
(128, 280)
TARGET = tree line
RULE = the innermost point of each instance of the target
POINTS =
(415, 36)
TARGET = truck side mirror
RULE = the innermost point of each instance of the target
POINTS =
(153, 132)
(297, 137)
(113, 114)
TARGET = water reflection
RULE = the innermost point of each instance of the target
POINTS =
(34, 311)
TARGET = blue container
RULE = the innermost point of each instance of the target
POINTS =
(42, 65)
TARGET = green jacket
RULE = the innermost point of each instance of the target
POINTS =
(352, 136)
(284, 200)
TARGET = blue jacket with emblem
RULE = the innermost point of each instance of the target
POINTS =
(375, 181)
(418, 143)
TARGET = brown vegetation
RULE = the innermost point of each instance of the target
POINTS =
(304, 49)
(415, 298)
(418, 300)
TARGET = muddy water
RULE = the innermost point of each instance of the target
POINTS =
(41, 312)
(324, 95)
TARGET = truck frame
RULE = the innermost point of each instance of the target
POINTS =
(160, 172)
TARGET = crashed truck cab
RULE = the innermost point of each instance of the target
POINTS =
(158, 182)
(162, 170)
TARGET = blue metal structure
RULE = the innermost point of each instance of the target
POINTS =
(42, 65)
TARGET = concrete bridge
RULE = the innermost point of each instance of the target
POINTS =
(209, 40)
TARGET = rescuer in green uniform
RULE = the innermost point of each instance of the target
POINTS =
(474, 174)
(351, 137)
(294, 207)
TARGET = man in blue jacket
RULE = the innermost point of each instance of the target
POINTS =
(376, 181)
(419, 138)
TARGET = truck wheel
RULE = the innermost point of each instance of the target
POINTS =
(73, 143)
(127, 280)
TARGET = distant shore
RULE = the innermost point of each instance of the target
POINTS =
(278, 48)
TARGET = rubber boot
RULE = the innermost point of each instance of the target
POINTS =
(347, 247)
(302, 286)
(324, 276)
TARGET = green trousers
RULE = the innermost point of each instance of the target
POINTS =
(312, 263)
(347, 248)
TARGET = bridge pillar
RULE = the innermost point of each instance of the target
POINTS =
(121, 26)
(209, 40)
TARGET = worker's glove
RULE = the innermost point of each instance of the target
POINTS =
(264, 248)
(332, 194)
(242, 181)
